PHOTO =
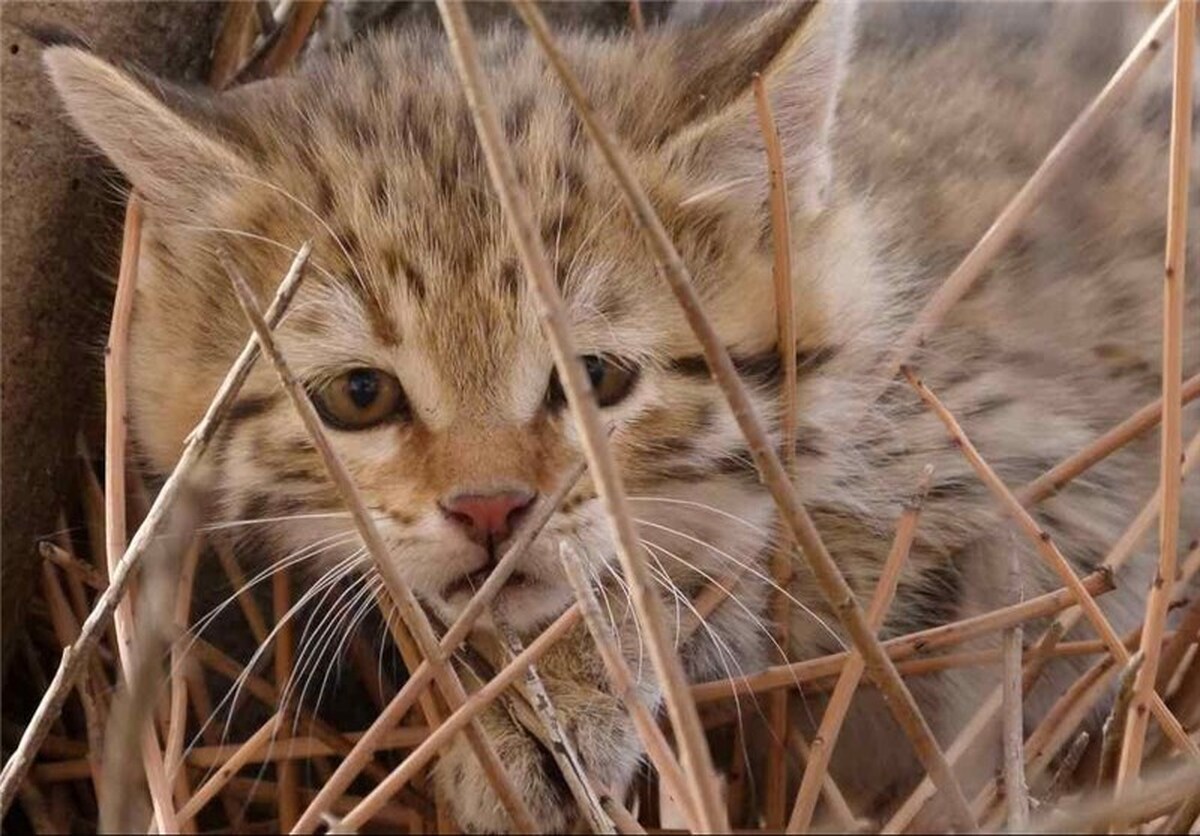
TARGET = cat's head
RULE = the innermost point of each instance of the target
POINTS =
(415, 331)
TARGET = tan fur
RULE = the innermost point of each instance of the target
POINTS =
(944, 111)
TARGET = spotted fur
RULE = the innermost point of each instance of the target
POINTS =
(943, 111)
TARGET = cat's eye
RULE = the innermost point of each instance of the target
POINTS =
(611, 379)
(360, 399)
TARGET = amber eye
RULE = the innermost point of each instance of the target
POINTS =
(360, 399)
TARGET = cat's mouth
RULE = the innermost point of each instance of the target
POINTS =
(469, 584)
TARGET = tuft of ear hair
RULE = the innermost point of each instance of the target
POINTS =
(172, 160)
(801, 50)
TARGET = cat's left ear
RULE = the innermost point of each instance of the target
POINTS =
(169, 142)
(801, 50)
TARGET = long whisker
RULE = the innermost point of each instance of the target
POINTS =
(749, 568)
(703, 506)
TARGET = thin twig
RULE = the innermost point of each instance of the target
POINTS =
(400, 593)
(75, 658)
(1045, 546)
(904, 647)
(781, 557)
(177, 725)
(1114, 724)
(825, 740)
(648, 606)
(830, 581)
(288, 802)
(1171, 481)
(844, 820)
(1016, 793)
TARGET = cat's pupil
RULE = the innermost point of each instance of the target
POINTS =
(362, 385)
(596, 368)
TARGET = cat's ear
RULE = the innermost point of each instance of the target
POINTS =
(800, 49)
(161, 138)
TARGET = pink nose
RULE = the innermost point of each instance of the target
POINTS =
(488, 517)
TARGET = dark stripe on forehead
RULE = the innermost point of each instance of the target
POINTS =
(250, 406)
(762, 368)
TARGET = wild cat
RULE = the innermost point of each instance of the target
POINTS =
(905, 129)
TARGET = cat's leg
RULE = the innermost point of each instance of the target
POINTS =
(594, 720)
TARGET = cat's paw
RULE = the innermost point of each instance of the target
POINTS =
(601, 730)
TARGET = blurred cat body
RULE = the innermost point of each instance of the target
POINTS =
(898, 157)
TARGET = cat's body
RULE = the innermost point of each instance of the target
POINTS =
(944, 112)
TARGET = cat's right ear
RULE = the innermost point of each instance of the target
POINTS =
(159, 137)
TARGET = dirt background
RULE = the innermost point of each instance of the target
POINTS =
(60, 222)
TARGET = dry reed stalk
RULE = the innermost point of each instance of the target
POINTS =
(299, 748)
(244, 595)
(844, 820)
(1024, 201)
(541, 514)
(636, 18)
(72, 565)
(288, 808)
(1186, 635)
(75, 658)
(1145, 419)
(233, 41)
(287, 42)
(115, 430)
(401, 595)
(648, 606)
(621, 818)
(1132, 806)
(781, 558)
(624, 686)
(1066, 769)
(825, 740)
(1171, 480)
(66, 628)
(246, 753)
(837, 593)
(461, 717)
(1053, 558)
(1115, 723)
(557, 742)
(1016, 793)
(904, 647)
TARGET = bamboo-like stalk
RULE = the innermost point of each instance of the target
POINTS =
(621, 818)
(1187, 634)
(115, 429)
(825, 740)
(1016, 793)
(177, 715)
(624, 685)
(543, 510)
(647, 605)
(561, 747)
(781, 558)
(832, 585)
(904, 647)
(244, 595)
(1132, 806)
(288, 802)
(1171, 481)
(1049, 552)
(1114, 724)
(401, 595)
(75, 658)
(844, 820)
(246, 753)
(1013, 215)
